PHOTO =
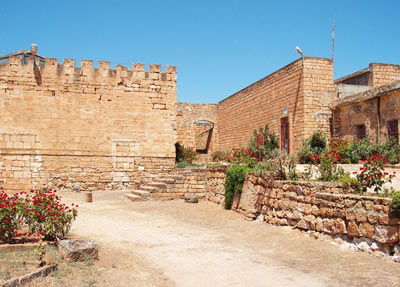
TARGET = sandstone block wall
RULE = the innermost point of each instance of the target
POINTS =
(319, 207)
(188, 114)
(185, 181)
(97, 128)
(300, 91)
(383, 74)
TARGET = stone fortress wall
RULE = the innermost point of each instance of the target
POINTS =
(92, 128)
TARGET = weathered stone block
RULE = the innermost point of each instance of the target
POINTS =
(366, 230)
(386, 234)
(352, 229)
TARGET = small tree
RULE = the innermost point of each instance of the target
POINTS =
(269, 143)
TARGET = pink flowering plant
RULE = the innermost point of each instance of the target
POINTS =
(372, 174)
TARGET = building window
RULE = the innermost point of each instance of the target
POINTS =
(393, 129)
(361, 80)
(360, 132)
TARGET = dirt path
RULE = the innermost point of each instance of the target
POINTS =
(203, 245)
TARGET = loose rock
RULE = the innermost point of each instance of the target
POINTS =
(191, 198)
(78, 250)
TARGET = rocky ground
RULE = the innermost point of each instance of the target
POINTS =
(172, 243)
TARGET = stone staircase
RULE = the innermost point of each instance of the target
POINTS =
(175, 184)
(156, 187)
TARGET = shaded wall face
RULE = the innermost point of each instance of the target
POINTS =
(301, 93)
(97, 128)
(348, 117)
(189, 131)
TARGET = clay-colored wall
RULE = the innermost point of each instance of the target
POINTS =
(365, 112)
(97, 128)
(305, 89)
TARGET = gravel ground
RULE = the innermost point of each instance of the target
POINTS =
(173, 243)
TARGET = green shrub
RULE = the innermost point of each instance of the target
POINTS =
(360, 150)
(234, 182)
(184, 164)
(391, 151)
(314, 145)
(395, 204)
(219, 155)
(350, 183)
(269, 145)
(264, 166)
(328, 170)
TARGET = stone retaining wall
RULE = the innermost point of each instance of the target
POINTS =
(215, 186)
(186, 181)
(312, 206)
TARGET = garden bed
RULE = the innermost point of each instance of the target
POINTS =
(19, 264)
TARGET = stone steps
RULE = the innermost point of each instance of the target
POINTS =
(148, 188)
(141, 193)
(158, 185)
(133, 197)
(165, 180)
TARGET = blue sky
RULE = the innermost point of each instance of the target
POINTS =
(219, 46)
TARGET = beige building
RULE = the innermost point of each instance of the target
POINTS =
(99, 128)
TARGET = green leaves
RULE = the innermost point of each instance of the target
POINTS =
(270, 143)
(234, 182)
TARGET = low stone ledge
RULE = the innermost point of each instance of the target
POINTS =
(23, 280)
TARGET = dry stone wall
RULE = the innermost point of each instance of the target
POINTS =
(215, 187)
(311, 206)
(88, 127)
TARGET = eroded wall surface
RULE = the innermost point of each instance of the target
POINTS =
(348, 117)
(92, 128)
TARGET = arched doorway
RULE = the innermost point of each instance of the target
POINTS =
(203, 134)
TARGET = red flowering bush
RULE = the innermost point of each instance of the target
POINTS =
(372, 173)
(185, 154)
(45, 215)
(41, 210)
(339, 150)
(10, 219)
(241, 156)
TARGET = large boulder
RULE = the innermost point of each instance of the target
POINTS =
(78, 250)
